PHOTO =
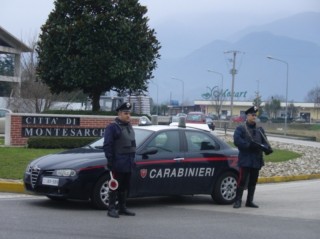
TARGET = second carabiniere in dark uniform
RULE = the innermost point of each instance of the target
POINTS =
(251, 142)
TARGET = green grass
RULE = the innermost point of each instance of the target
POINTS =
(13, 161)
(278, 155)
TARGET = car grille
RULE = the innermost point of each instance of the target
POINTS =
(35, 172)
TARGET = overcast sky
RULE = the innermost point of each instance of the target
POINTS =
(189, 18)
(182, 26)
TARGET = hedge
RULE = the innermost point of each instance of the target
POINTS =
(59, 142)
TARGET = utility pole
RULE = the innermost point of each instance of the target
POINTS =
(233, 72)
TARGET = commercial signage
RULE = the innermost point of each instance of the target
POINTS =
(215, 93)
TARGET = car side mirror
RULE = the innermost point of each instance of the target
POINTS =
(148, 151)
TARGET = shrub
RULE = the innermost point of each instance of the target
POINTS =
(59, 142)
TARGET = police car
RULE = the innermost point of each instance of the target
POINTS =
(170, 160)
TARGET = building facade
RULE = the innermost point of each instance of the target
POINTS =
(11, 46)
(309, 111)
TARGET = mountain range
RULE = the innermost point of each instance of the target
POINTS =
(293, 42)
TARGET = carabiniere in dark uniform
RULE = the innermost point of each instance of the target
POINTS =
(251, 142)
(119, 148)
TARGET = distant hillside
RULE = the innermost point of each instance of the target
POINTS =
(304, 26)
(255, 71)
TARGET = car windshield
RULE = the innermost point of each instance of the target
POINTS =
(141, 135)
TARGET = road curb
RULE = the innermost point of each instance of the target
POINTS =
(278, 179)
(12, 186)
(16, 186)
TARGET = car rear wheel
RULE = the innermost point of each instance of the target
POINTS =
(224, 191)
(100, 198)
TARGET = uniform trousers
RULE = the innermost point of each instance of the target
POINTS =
(248, 177)
(123, 179)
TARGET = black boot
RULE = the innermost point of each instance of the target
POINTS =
(237, 203)
(122, 196)
(249, 202)
(112, 212)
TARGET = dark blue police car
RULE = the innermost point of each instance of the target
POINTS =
(170, 160)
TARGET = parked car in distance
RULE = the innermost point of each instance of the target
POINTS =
(3, 113)
(238, 119)
(263, 118)
(300, 120)
(210, 123)
(176, 117)
(213, 116)
(196, 117)
(223, 117)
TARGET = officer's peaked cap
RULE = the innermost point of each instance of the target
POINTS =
(126, 106)
(252, 110)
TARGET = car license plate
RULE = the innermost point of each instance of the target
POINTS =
(50, 181)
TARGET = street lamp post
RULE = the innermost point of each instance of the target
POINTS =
(287, 80)
(182, 82)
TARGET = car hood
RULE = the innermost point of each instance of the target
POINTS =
(71, 159)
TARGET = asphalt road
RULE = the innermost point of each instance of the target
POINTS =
(287, 210)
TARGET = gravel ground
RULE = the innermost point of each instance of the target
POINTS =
(307, 164)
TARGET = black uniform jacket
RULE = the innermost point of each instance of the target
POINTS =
(249, 156)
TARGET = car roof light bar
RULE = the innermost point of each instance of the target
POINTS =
(182, 122)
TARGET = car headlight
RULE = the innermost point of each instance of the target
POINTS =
(64, 172)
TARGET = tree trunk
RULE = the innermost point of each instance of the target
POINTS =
(96, 101)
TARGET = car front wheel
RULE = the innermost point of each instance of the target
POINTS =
(100, 198)
(224, 191)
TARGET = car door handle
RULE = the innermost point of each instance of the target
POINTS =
(178, 159)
